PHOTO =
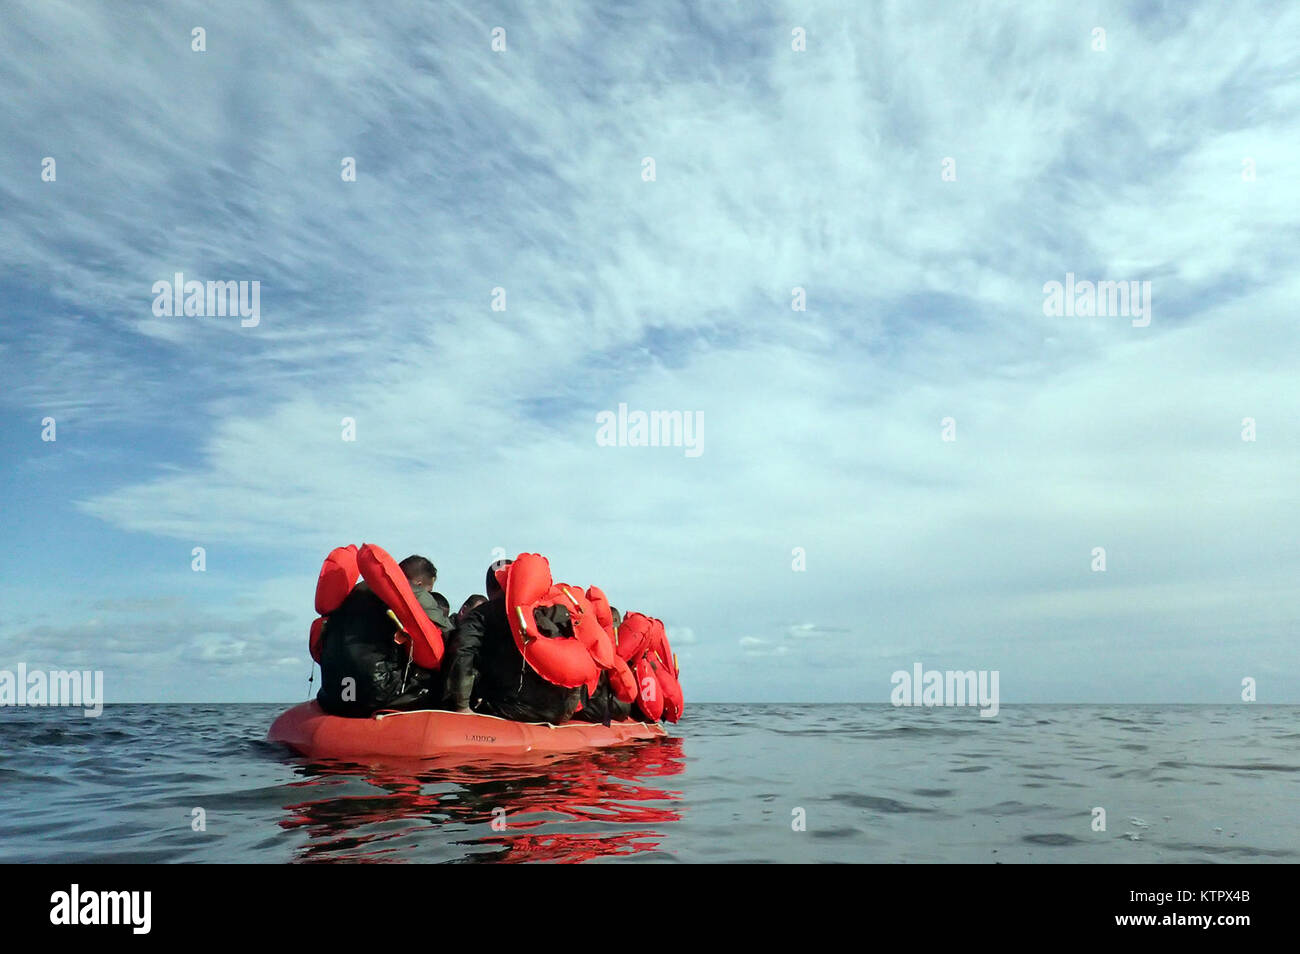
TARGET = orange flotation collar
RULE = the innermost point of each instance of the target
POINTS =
(621, 680)
(634, 636)
(338, 574)
(604, 615)
(564, 662)
(314, 637)
(643, 643)
(649, 699)
(338, 577)
(586, 625)
(389, 583)
(664, 663)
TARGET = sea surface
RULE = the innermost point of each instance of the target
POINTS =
(736, 783)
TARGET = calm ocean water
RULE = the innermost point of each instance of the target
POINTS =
(873, 783)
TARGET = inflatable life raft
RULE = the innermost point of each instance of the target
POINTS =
(428, 733)
(639, 661)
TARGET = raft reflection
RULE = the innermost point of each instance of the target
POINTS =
(560, 809)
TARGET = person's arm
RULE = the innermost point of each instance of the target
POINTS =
(433, 610)
(461, 660)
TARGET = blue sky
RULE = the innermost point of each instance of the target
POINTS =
(774, 169)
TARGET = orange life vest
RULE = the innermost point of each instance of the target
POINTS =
(564, 662)
(389, 583)
(621, 680)
(338, 574)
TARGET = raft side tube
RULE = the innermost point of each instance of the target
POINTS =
(429, 733)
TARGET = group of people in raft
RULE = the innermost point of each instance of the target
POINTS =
(531, 649)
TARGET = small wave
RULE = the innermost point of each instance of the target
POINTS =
(873, 803)
(1055, 841)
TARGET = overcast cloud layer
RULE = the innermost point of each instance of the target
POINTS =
(1169, 156)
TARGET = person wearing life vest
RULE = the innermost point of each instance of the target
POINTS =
(486, 673)
(471, 603)
(363, 668)
(651, 672)
(443, 603)
(603, 706)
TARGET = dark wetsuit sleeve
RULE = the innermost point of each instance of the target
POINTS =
(462, 659)
(433, 610)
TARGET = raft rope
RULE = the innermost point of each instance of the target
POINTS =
(523, 630)
(410, 647)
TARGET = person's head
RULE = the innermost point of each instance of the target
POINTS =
(471, 604)
(442, 602)
(493, 586)
(420, 573)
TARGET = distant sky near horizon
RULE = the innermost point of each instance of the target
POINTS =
(656, 188)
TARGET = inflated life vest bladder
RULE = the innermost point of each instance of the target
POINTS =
(633, 641)
(389, 583)
(564, 662)
(650, 699)
(314, 637)
(669, 689)
(622, 682)
(664, 664)
(338, 574)
(604, 615)
(586, 625)
(643, 643)
(634, 636)
(601, 605)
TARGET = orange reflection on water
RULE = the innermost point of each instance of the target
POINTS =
(608, 802)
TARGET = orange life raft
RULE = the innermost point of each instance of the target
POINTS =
(429, 733)
(637, 657)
